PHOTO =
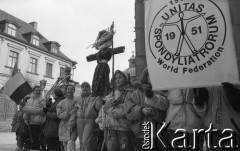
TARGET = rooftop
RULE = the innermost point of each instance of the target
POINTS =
(25, 28)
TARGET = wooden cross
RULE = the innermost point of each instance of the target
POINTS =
(102, 77)
(117, 50)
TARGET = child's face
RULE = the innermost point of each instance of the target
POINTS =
(85, 88)
(70, 90)
(37, 91)
(120, 80)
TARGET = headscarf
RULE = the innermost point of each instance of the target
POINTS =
(127, 77)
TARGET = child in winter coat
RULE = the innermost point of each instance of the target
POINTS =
(35, 117)
(142, 112)
(66, 111)
(87, 111)
(117, 129)
(182, 113)
(17, 126)
(52, 123)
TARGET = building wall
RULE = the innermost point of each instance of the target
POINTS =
(25, 52)
(139, 30)
(140, 38)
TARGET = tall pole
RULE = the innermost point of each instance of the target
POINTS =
(113, 78)
(103, 113)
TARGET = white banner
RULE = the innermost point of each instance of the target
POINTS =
(189, 43)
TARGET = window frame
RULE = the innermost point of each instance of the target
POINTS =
(47, 73)
(11, 58)
(61, 72)
(35, 40)
(54, 50)
(12, 29)
(32, 65)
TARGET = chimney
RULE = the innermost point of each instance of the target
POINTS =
(34, 24)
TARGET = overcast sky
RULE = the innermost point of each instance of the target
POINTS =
(75, 24)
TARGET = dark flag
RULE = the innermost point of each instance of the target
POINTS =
(17, 87)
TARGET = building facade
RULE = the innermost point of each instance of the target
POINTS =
(131, 70)
(140, 36)
(37, 58)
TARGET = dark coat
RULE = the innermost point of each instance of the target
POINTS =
(52, 121)
(17, 120)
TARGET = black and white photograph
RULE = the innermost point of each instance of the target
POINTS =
(119, 75)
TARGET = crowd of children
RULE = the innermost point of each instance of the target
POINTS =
(115, 122)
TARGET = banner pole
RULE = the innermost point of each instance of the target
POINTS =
(113, 78)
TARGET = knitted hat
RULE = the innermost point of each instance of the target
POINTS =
(85, 84)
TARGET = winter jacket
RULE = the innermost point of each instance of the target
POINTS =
(137, 118)
(220, 112)
(113, 114)
(33, 111)
(17, 120)
(65, 110)
(52, 121)
(182, 111)
(88, 107)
